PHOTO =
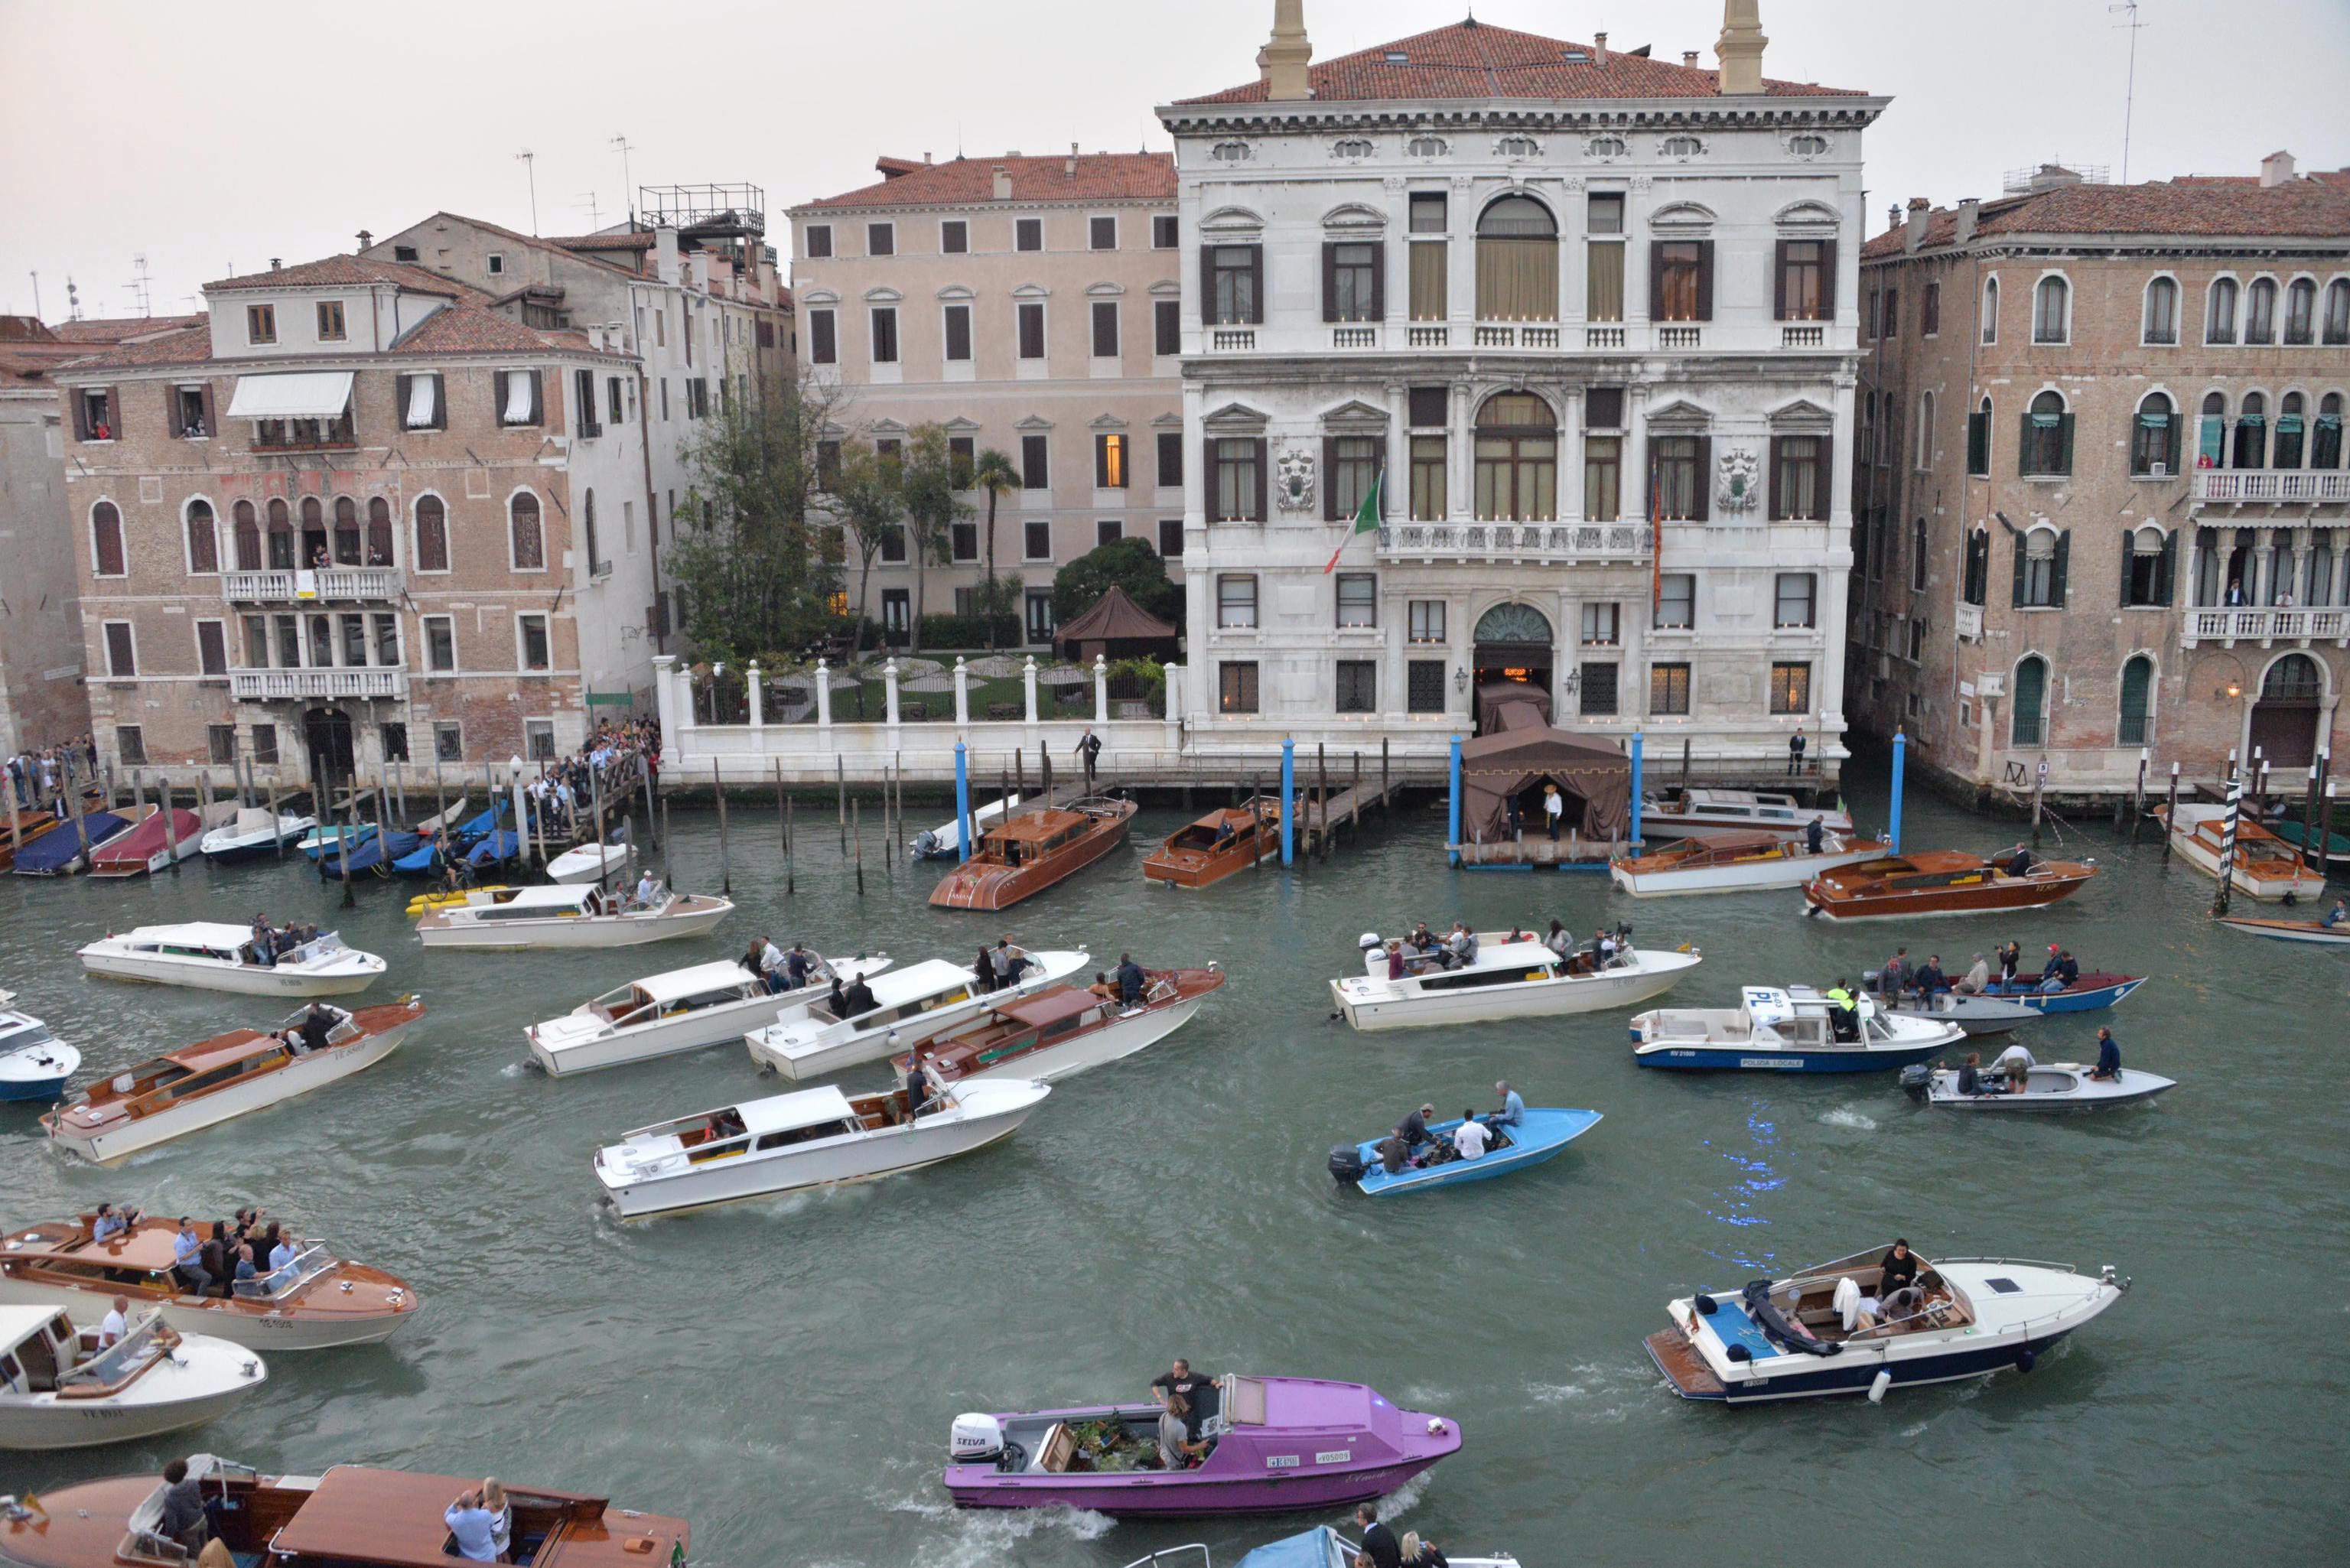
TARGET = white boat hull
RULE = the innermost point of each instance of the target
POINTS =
(774, 1050)
(247, 1326)
(695, 1031)
(203, 1378)
(1791, 872)
(1098, 1048)
(314, 1070)
(628, 930)
(1369, 1005)
(243, 979)
(2303, 884)
(574, 866)
(2051, 1087)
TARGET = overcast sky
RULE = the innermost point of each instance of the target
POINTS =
(216, 135)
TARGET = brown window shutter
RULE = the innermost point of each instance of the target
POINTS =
(1702, 510)
(1656, 280)
(1256, 300)
(1774, 460)
(538, 398)
(1827, 280)
(1208, 480)
(80, 413)
(440, 412)
(401, 387)
(211, 419)
(114, 412)
(1262, 456)
(1827, 491)
(1208, 285)
(1379, 470)
(1779, 283)
(1329, 475)
(171, 412)
(1329, 285)
(1378, 280)
(1705, 280)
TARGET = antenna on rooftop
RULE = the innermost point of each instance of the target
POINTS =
(73, 300)
(2129, 93)
(37, 294)
(529, 161)
(139, 284)
(595, 216)
(628, 184)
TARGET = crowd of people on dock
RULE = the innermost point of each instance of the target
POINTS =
(614, 762)
(39, 778)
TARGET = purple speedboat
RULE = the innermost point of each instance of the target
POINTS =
(1272, 1445)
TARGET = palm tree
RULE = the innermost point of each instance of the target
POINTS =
(994, 471)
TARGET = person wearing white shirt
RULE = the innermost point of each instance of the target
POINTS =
(2016, 1063)
(1469, 1137)
(115, 1324)
(647, 891)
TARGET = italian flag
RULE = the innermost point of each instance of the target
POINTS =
(1366, 518)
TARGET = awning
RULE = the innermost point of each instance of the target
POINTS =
(292, 395)
(420, 390)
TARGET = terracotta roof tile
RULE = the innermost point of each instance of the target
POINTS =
(533, 241)
(969, 182)
(2198, 205)
(347, 270)
(627, 239)
(29, 364)
(187, 346)
(461, 328)
(116, 329)
(1479, 60)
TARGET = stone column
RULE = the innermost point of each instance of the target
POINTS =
(758, 697)
(890, 698)
(665, 697)
(1174, 707)
(824, 698)
(1101, 690)
(1634, 486)
(1028, 677)
(962, 694)
(1460, 456)
(1570, 458)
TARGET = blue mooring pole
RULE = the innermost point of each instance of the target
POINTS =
(1288, 799)
(1636, 789)
(1900, 757)
(1452, 817)
(962, 803)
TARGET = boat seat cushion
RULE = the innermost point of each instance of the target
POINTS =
(1730, 1321)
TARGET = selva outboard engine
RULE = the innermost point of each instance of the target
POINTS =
(1917, 1078)
(1347, 1164)
(975, 1439)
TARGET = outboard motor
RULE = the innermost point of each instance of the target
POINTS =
(1347, 1164)
(926, 843)
(1917, 1078)
(1368, 942)
(975, 1439)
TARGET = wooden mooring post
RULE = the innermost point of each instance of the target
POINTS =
(857, 810)
(725, 865)
(2170, 811)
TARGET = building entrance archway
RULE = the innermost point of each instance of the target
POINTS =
(2284, 720)
(327, 736)
(1514, 642)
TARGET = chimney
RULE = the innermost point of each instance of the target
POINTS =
(1002, 183)
(665, 262)
(1962, 224)
(1892, 217)
(1284, 58)
(1598, 48)
(1070, 167)
(274, 263)
(2276, 169)
(1689, 57)
(926, 157)
(1920, 210)
(1740, 47)
(366, 239)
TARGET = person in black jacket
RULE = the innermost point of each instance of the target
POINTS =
(1090, 753)
(1379, 1546)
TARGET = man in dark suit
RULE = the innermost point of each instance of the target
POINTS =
(1380, 1548)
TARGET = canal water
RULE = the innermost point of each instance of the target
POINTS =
(783, 1373)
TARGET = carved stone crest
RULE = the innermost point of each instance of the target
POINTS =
(1734, 491)
(1294, 481)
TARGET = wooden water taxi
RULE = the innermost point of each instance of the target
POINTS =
(1735, 863)
(2316, 931)
(1943, 882)
(317, 1301)
(215, 1080)
(510, 919)
(904, 1008)
(215, 956)
(1228, 839)
(682, 1009)
(60, 1388)
(1022, 857)
(1717, 813)
(2265, 867)
(353, 1516)
(1064, 1031)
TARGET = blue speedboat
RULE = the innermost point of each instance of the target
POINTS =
(59, 851)
(1787, 1031)
(1320, 1547)
(324, 841)
(424, 861)
(1542, 1134)
(369, 856)
(494, 849)
(1999, 1009)
(34, 1063)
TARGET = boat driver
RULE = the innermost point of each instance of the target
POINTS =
(1179, 1382)
(858, 999)
(2338, 915)
(1899, 1267)
(1843, 1011)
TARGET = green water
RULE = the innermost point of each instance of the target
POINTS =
(783, 1374)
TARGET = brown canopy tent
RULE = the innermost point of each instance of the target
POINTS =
(1510, 705)
(1597, 780)
(1115, 627)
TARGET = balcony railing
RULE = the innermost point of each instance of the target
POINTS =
(1427, 336)
(305, 435)
(1970, 623)
(2264, 625)
(2285, 487)
(303, 586)
(1230, 340)
(1354, 337)
(1602, 337)
(277, 685)
(1547, 543)
(1678, 337)
(1802, 337)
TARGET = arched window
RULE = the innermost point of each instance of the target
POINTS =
(105, 540)
(281, 536)
(248, 537)
(2251, 432)
(379, 536)
(1924, 431)
(2136, 728)
(2162, 311)
(2279, 572)
(1427, 147)
(313, 532)
(2147, 557)
(2220, 316)
(432, 534)
(2051, 308)
(2028, 722)
(2260, 311)
(2153, 437)
(1990, 311)
(1517, 261)
(1606, 146)
(2290, 434)
(1807, 145)
(2040, 570)
(529, 539)
(2047, 437)
(2301, 312)
(1979, 440)
(2292, 679)
(1517, 459)
(347, 531)
(2325, 444)
(587, 528)
(1517, 147)
(1681, 147)
(2337, 311)
(2211, 437)
(203, 539)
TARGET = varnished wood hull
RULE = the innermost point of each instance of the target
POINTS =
(1986, 899)
(992, 887)
(1198, 868)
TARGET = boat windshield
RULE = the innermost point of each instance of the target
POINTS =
(116, 1360)
(325, 946)
(278, 1283)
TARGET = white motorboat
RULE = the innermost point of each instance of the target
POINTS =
(1067, 1030)
(941, 842)
(1735, 863)
(2047, 1087)
(683, 1009)
(1812, 1335)
(912, 1006)
(591, 862)
(215, 1080)
(2264, 866)
(509, 920)
(253, 833)
(1504, 979)
(34, 1063)
(810, 1137)
(59, 1390)
(213, 956)
(1788, 1030)
(1716, 813)
(2316, 932)
(1320, 1547)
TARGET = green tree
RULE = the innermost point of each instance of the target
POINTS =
(758, 574)
(926, 485)
(866, 503)
(993, 473)
(1129, 564)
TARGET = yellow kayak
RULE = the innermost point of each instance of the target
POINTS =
(424, 901)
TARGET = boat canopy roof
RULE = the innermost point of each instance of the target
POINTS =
(897, 986)
(19, 1324)
(1051, 1006)
(789, 1113)
(221, 1050)
(702, 978)
(252, 819)
(146, 1247)
(557, 896)
(387, 1518)
(193, 934)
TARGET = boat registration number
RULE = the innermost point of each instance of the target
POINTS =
(1779, 1062)
(1281, 1461)
(1334, 1456)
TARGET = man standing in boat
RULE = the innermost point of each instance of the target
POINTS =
(1182, 1380)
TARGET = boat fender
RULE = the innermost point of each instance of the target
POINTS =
(1345, 1163)
(1740, 1353)
(1879, 1383)
(1847, 1301)
(2025, 1358)
(1705, 1303)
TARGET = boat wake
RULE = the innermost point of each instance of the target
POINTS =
(985, 1538)
(1595, 1390)
(1843, 1117)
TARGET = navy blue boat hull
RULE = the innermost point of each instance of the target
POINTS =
(1832, 1376)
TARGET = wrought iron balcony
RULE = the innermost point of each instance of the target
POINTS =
(297, 685)
(1544, 544)
(2269, 486)
(2264, 625)
(309, 585)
